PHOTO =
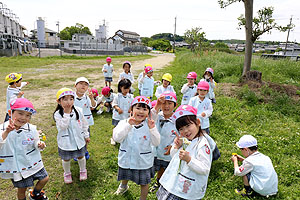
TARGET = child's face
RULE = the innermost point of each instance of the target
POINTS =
(168, 107)
(108, 95)
(81, 87)
(108, 62)
(245, 152)
(139, 113)
(18, 84)
(191, 81)
(202, 93)
(126, 68)
(20, 117)
(66, 101)
(149, 74)
(190, 131)
(125, 91)
(165, 83)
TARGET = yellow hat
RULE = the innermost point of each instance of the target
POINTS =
(146, 65)
(13, 77)
(167, 77)
(64, 92)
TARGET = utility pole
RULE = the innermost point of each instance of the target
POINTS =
(174, 35)
(58, 35)
(287, 39)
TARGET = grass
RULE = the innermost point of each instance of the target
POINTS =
(275, 123)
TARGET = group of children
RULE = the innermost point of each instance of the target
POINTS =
(153, 136)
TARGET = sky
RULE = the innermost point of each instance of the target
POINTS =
(155, 16)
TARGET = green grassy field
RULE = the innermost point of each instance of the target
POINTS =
(271, 116)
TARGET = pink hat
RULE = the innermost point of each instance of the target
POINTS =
(108, 59)
(153, 103)
(141, 99)
(210, 70)
(95, 92)
(148, 69)
(22, 104)
(203, 85)
(105, 90)
(192, 75)
(170, 96)
(184, 110)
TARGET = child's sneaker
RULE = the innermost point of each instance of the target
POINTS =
(83, 175)
(243, 192)
(121, 190)
(40, 196)
(100, 111)
(154, 187)
(87, 155)
(68, 178)
(112, 142)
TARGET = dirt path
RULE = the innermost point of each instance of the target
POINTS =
(45, 97)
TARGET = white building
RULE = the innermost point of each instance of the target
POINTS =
(127, 38)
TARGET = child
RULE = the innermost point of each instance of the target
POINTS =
(108, 71)
(106, 100)
(258, 173)
(187, 174)
(203, 105)
(96, 98)
(85, 102)
(208, 77)
(13, 90)
(127, 74)
(136, 134)
(121, 103)
(147, 83)
(72, 134)
(167, 102)
(20, 148)
(140, 77)
(166, 85)
(189, 89)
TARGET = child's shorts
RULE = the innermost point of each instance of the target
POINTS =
(115, 122)
(139, 176)
(160, 164)
(28, 182)
(108, 79)
(68, 155)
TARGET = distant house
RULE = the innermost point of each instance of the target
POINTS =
(51, 38)
(85, 38)
(126, 38)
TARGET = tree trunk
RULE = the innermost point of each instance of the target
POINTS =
(248, 28)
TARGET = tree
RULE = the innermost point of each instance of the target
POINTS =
(146, 40)
(160, 44)
(194, 37)
(254, 27)
(66, 33)
(167, 36)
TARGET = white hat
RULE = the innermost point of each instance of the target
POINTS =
(141, 99)
(246, 141)
(83, 79)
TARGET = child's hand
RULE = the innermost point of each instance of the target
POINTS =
(184, 155)
(234, 158)
(178, 141)
(131, 120)
(87, 140)
(11, 125)
(41, 145)
(91, 94)
(20, 94)
(240, 158)
(161, 99)
(151, 123)
(120, 111)
(168, 149)
(203, 114)
(105, 70)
